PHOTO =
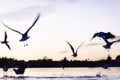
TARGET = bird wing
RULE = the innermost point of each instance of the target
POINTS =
(33, 23)
(79, 46)
(116, 41)
(8, 46)
(11, 28)
(109, 35)
(5, 36)
(71, 46)
(94, 36)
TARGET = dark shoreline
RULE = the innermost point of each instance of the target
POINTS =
(45, 63)
(49, 63)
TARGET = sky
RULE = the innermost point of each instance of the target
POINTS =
(75, 21)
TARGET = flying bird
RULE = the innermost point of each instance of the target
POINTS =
(109, 44)
(104, 35)
(24, 35)
(73, 51)
(5, 41)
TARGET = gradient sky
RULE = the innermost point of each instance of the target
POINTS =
(60, 21)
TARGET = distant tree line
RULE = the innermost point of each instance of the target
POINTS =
(40, 63)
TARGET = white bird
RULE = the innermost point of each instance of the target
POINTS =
(24, 35)
(5, 41)
(73, 51)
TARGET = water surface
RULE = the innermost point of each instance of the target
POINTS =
(112, 73)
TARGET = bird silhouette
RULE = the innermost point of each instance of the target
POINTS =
(5, 41)
(24, 35)
(5, 69)
(104, 35)
(73, 51)
(20, 68)
(109, 44)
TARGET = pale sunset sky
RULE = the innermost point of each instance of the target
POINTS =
(60, 21)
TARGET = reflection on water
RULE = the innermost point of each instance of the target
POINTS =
(67, 73)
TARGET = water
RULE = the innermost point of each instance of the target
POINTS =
(112, 73)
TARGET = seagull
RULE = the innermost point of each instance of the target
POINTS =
(109, 44)
(21, 68)
(24, 35)
(5, 69)
(5, 41)
(104, 35)
(73, 51)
